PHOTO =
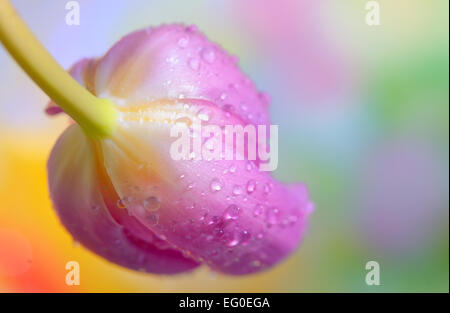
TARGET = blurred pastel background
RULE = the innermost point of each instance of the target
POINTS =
(363, 115)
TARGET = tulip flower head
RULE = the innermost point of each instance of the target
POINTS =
(121, 194)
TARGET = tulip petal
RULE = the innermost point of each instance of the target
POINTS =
(228, 214)
(95, 220)
(158, 213)
(174, 62)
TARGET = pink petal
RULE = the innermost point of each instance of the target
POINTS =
(251, 223)
(176, 216)
(178, 62)
(96, 221)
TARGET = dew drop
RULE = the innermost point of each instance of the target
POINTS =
(218, 232)
(267, 189)
(232, 212)
(190, 186)
(232, 169)
(292, 220)
(215, 185)
(272, 215)
(258, 210)
(152, 203)
(237, 190)
(228, 109)
(256, 263)
(121, 203)
(204, 114)
(172, 60)
(251, 186)
(183, 42)
(244, 236)
(233, 242)
(214, 220)
(208, 55)
(194, 64)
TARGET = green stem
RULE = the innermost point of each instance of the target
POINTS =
(96, 116)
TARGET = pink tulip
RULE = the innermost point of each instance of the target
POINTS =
(124, 197)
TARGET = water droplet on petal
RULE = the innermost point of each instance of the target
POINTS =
(122, 203)
(237, 190)
(233, 242)
(208, 55)
(267, 188)
(194, 64)
(215, 185)
(204, 114)
(244, 236)
(258, 210)
(272, 215)
(190, 186)
(256, 263)
(292, 219)
(251, 186)
(152, 203)
(214, 220)
(183, 42)
(228, 108)
(218, 232)
(232, 168)
(172, 60)
(232, 212)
